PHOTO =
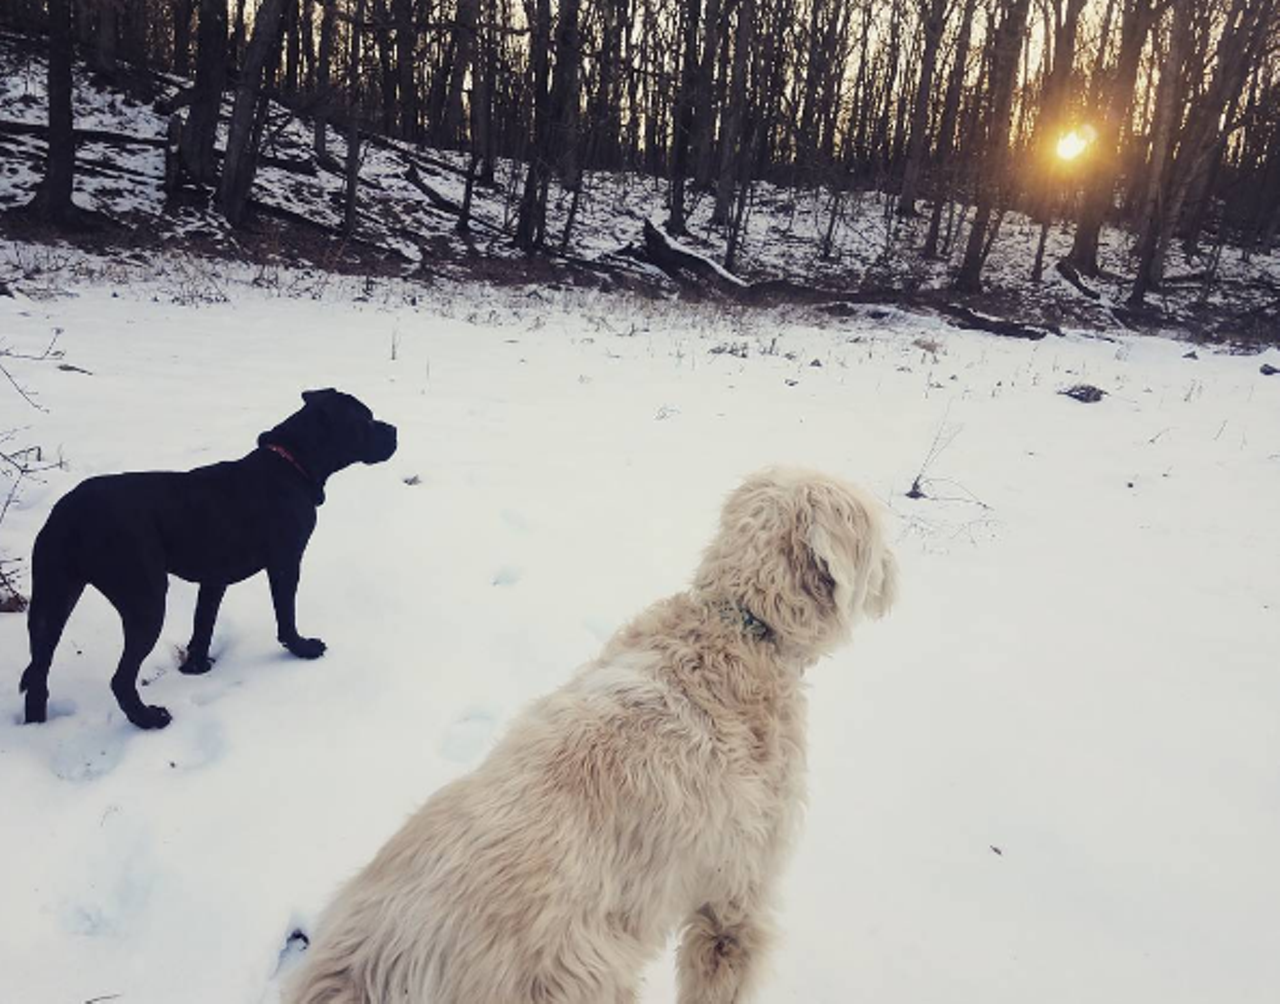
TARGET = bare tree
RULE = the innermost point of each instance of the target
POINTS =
(933, 15)
(947, 126)
(324, 72)
(240, 165)
(1008, 39)
(731, 146)
(683, 133)
(1115, 89)
(352, 174)
(52, 201)
(532, 222)
(201, 127)
(1155, 218)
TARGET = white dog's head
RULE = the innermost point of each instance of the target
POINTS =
(805, 554)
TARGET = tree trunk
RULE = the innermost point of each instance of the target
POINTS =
(947, 127)
(182, 37)
(211, 77)
(532, 221)
(241, 161)
(1155, 220)
(1115, 101)
(52, 201)
(1004, 69)
(406, 45)
(482, 139)
(293, 50)
(704, 119)
(933, 17)
(324, 70)
(735, 114)
(606, 103)
(237, 37)
(308, 82)
(682, 135)
(1054, 104)
(464, 45)
(106, 36)
(353, 123)
(816, 69)
(386, 66)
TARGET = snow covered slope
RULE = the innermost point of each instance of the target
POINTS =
(1050, 776)
(403, 231)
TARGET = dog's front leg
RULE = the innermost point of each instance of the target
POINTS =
(207, 603)
(720, 953)
(283, 570)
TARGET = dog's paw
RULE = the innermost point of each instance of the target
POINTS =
(151, 717)
(306, 648)
(195, 665)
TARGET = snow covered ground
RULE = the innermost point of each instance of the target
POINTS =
(1050, 776)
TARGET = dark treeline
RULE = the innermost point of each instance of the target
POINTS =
(1170, 107)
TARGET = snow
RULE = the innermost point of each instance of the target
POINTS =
(1049, 776)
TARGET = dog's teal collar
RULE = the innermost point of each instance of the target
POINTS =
(732, 612)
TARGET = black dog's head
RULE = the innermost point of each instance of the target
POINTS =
(331, 431)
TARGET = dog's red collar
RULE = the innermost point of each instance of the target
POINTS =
(280, 451)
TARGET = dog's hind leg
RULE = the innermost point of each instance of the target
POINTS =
(720, 954)
(54, 595)
(207, 603)
(140, 604)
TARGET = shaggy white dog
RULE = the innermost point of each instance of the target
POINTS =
(659, 787)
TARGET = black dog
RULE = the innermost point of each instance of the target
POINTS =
(215, 525)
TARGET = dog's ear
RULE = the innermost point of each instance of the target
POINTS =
(882, 593)
(316, 396)
(847, 545)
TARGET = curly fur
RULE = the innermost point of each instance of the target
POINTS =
(660, 787)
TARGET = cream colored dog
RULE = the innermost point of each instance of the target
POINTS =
(659, 787)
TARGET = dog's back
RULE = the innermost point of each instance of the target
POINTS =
(522, 881)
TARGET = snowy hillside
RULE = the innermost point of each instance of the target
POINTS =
(410, 197)
(1050, 776)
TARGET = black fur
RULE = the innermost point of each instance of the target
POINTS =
(124, 534)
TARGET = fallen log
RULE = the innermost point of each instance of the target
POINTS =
(289, 216)
(1072, 275)
(445, 204)
(437, 199)
(795, 292)
(684, 265)
(41, 129)
(964, 317)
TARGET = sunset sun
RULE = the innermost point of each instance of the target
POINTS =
(1071, 145)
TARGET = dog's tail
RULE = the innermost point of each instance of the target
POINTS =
(56, 585)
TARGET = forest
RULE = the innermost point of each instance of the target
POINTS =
(1161, 117)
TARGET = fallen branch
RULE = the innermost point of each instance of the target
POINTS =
(289, 216)
(41, 129)
(971, 319)
(690, 268)
(1072, 275)
(684, 265)
(437, 199)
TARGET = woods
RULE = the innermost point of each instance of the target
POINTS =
(959, 108)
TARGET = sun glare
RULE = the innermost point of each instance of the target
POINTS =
(1071, 145)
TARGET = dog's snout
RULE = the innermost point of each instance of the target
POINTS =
(383, 443)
